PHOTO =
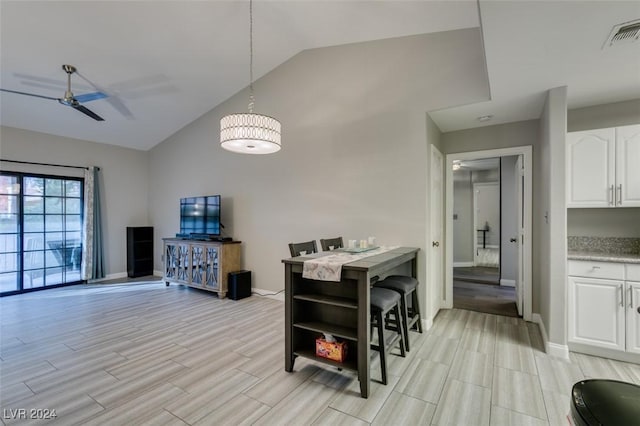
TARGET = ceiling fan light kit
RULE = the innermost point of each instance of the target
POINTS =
(69, 99)
(250, 133)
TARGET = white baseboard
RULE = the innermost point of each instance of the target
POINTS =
(119, 275)
(556, 350)
(553, 349)
(109, 277)
(426, 324)
(508, 283)
(462, 264)
(603, 352)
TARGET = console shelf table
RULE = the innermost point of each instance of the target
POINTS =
(341, 309)
(200, 264)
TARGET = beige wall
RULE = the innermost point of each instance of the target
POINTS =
(124, 175)
(616, 222)
(492, 137)
(549, 219)
(602, 116)
(354, 157)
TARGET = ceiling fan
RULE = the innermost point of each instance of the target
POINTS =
(69, 99)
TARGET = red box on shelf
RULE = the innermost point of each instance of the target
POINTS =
(334, 351)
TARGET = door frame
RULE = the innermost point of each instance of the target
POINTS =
(526, 245)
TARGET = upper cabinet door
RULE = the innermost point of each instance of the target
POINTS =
(628, 166)
(591, 168)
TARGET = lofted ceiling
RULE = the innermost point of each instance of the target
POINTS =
(165, 63)
(533, 46)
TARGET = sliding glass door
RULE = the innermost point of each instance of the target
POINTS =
(40, 231)
(9, 232)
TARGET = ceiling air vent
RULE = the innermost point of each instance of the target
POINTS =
(625, 33)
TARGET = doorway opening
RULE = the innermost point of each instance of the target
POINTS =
(484, 215)
(488, 225)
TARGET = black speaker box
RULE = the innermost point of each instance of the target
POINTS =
(239, 284)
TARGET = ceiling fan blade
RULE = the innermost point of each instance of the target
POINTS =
(87, 111)
(50, 81)
(28, 94)
(87, 97)
(113, 100)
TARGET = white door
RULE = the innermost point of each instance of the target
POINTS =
(633, 317)
(596, 312)
(486, 208)
(519, 175)
(591, 168)
(628, 166)
(436, 293)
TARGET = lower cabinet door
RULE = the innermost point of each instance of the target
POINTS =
(597, 312)
(633, 317)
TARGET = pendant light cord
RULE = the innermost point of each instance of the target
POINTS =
(251, 98)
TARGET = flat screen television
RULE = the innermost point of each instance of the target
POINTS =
(200, 215)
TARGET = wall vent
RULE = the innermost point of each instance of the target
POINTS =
(625, 33)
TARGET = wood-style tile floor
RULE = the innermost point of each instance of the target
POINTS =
(148, 354)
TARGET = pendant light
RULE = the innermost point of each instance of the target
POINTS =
(250, 133)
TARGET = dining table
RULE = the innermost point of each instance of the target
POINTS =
(318, 303)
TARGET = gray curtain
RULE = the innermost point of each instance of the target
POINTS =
(92, 253)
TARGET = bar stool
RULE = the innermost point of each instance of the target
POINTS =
(406, 287)
(383, 302)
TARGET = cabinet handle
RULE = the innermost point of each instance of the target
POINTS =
(621, 296)
(631, 297)
(596, 267)
(611, 200)
(620, 194)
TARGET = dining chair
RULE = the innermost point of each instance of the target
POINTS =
(331, 243)
(307, 247)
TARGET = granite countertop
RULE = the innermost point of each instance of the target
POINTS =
(604, 249)
(603, 257)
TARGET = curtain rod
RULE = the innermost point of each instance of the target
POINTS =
(46, 164)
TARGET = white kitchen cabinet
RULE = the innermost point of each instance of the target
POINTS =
(596, 317)
(633, 317)
(633, 308)
(590, 168)
(603, 305)
(602, 167)
(628, 166)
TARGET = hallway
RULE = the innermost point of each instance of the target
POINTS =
(477, 289)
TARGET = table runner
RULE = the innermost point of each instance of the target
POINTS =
(329, 268)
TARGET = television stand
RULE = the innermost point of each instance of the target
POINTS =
(201, 264)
